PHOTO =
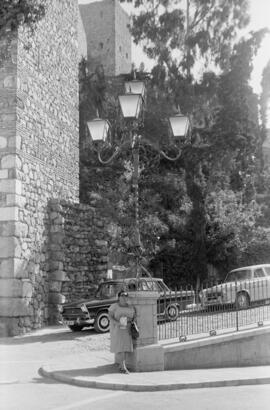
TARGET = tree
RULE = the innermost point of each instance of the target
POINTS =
(14, 14)
(265, 97)
(236, 133)
(181, 35)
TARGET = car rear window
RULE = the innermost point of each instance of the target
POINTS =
(267, 270)
(244, 274)
(109, 290)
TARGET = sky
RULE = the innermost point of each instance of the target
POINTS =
(260, 17)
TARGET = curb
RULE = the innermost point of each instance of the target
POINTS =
(144, 387)
(3, 382)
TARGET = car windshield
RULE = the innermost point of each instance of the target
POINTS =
(243, 274)
(108, 290)
(162, 286)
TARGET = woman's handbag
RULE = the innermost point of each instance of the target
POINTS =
(134, 330)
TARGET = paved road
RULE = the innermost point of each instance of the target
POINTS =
(46, 395)
(22, 388)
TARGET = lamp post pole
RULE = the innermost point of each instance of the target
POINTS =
(135, 183)
(132, 105)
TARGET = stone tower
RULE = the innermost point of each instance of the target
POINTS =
(108, 37)
(39, 159)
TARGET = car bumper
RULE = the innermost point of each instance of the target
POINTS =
(78, 322)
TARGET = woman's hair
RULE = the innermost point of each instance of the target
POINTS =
(122, 293)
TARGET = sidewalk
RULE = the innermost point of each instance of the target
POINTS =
(96, 370)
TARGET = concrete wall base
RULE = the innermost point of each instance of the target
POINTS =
(145, 359)
(245, 348)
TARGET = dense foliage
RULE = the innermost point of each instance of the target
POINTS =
(14, 14)
(180, 34)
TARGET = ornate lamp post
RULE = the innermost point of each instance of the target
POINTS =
(132, 105)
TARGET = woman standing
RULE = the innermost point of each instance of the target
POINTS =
(121, 314)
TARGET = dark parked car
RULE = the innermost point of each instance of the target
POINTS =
(94, 311)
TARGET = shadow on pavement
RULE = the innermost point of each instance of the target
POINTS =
(92, 372)
(44, 380)
(48, 335)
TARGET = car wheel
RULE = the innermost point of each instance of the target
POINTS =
(172, 312)
(76, 328)
(102, 322)
(242, 300)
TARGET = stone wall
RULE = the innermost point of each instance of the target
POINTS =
(108, 37)
(39, 159)
(78, 253)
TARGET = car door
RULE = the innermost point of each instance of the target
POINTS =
(259, 288)
(267, 282)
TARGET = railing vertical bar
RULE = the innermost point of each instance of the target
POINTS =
(236, 306)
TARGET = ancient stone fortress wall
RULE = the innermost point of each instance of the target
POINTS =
(108, 37)
(39, 159)
(78, 252)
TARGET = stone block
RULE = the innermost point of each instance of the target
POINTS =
(10, 81)
(10, 327)
(59, 275)
(16, 200)
(9, 247)
(9, 213)
(14, 307)
(20, 268)
(12, 186)
(27, 289)
(11, 161)
(3, 143)
(15, 142)
(10, 288)
(6, 268)
(15, 288)
(13, 268)
(3, 173)
(7, 228)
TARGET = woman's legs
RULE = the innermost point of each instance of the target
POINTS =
(122, 364)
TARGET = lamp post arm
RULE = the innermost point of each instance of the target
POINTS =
(117, 151)
(156, 148)
(107, 161)
(171, 158)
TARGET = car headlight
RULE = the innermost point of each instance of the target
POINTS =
(84, 308)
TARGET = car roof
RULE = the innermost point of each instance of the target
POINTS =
(263, 265)
(126, 280)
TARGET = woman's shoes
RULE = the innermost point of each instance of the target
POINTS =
(124, 370)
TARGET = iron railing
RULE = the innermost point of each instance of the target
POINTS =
(216, 308)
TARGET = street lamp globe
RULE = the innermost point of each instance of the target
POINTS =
(135, 87)
(131, 105)
(98, 129)
(179, 125)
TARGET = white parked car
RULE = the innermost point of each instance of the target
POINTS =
(241, 287)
